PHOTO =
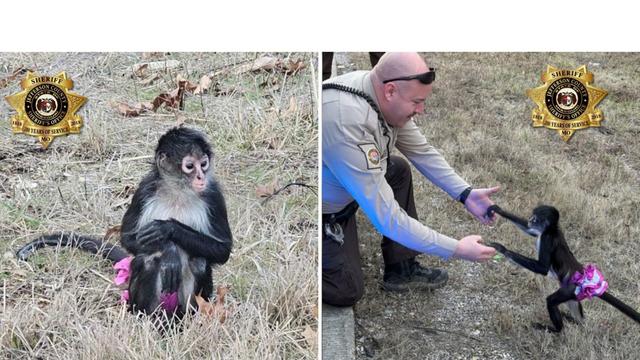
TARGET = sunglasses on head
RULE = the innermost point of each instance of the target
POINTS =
(425, 78)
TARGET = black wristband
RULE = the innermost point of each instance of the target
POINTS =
(463, 197)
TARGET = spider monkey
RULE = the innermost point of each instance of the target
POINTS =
(555, 257)
(176, 228)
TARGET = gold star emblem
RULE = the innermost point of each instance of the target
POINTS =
(45, 107)
(566, 101)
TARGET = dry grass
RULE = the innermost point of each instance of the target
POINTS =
(479, 117)
(63, 305)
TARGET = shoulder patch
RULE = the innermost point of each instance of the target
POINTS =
(372, 155)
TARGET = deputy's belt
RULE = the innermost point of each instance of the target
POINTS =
(342, 215)
(332, 223)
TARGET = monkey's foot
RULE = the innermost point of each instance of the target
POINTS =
(567, 316)
(539, 326)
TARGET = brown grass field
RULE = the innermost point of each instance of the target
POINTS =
(479, 118)
(263, 128)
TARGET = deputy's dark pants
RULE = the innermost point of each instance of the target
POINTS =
(342, 280)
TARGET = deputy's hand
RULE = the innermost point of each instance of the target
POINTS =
(470, 248)
(478, 202)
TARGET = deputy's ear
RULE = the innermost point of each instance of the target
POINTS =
(389, 90)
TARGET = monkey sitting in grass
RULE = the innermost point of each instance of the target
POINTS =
(176, 228)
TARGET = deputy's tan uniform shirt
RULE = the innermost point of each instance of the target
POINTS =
(354, 162)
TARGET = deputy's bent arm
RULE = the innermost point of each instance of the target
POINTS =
(413, 144)
(374, 195)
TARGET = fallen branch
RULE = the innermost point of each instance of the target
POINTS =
(311, 187)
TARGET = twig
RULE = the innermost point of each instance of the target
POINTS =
(286, 186)
(61, 197)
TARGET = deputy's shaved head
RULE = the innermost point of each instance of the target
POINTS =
(399, 101)
(397, 64)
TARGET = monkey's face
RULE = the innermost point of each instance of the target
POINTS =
(190, 171)
(542, 218)
(537, 224)
(195, 169)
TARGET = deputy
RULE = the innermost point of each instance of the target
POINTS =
(364, 115)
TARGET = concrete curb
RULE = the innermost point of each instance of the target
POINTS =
(338, 333)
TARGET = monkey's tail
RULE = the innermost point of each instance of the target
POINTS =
(94, 246)
(618, 304)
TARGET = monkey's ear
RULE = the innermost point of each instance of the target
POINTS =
(160, 158)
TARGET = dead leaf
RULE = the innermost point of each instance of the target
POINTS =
(310, 336)
(127, 110)
(267, 190)
(314, 311)
(221, 292)
(203, 85)
(188, 85)
(174, 99)
(140, 70)
(293, 67)
(217, 309)
(114, 231)
(266, 63)
(162, 99)
(204, 307)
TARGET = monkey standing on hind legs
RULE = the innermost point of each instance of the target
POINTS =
(176, 228)
(577, 282)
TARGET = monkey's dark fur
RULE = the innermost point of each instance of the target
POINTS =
(554, 256)
(176, 227)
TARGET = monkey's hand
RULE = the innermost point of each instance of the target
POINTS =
(499, 247)
(492, 210)
(170, 269)
(479, 201)
(213, 247)
(154, 236)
